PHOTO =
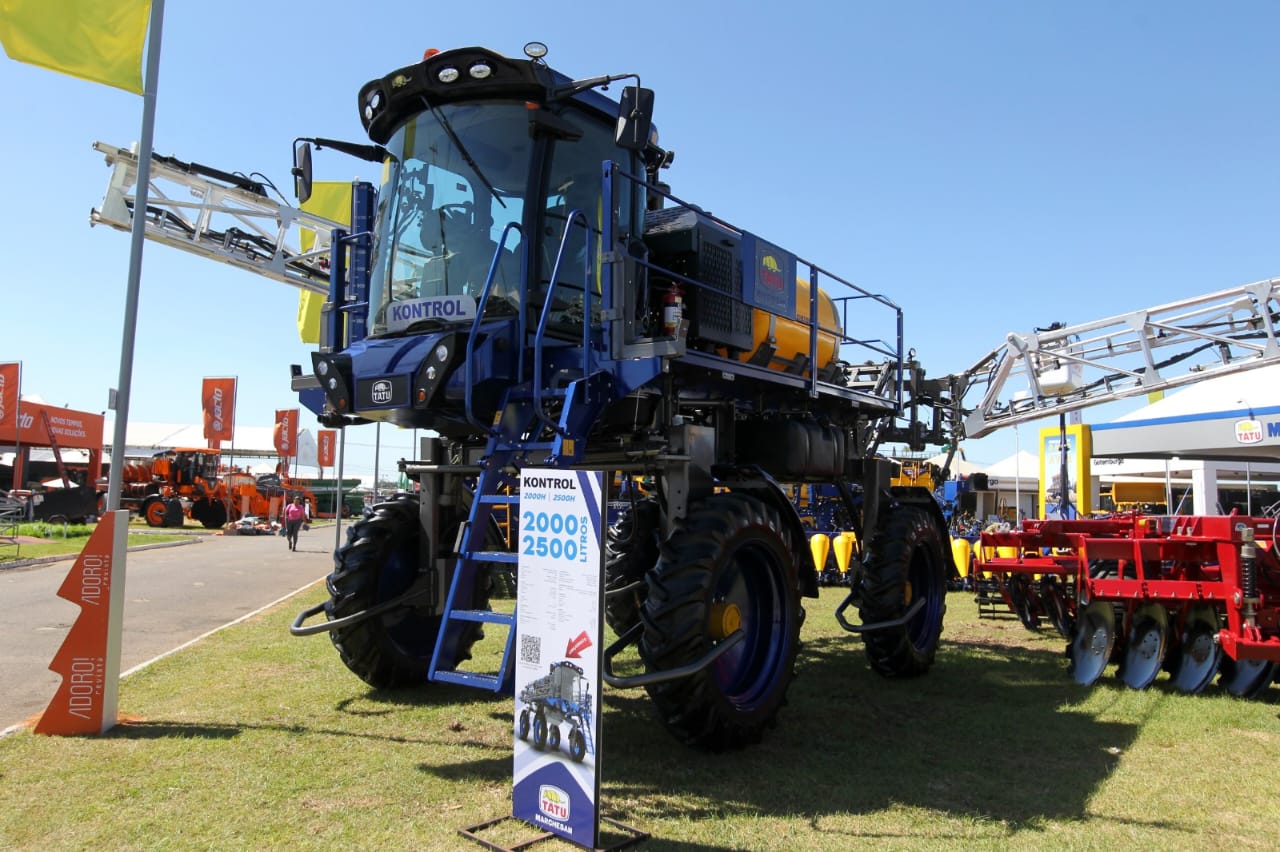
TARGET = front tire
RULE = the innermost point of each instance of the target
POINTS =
(631, 549)
(730, 565)
(906, 563)
(380, 562)
(577, 745)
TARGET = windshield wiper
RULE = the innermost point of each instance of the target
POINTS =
(462, 149)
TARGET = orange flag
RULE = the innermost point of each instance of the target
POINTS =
(10, 375)
(326, 443)
(218, 399)
(286, 432)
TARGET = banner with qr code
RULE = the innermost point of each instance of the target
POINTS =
(559, 625)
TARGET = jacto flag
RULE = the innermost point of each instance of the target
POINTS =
(326, 443)
(332, 200)
(96, 40)
(218, 400)
(286, 432)
(10, 375)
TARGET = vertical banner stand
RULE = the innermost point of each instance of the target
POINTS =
(559, 668)
(89, 659)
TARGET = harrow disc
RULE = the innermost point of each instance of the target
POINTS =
(1246, 678)
(1056, 605)
(1148, 641)
(1095, 636)
(1195, 662)
(1023, 599)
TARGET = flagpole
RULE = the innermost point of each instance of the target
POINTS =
(136, 233)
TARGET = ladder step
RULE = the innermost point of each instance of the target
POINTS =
(474, 679)
(487, 616)
(492, 556)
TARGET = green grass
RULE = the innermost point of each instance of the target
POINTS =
(253, 738)
(69, 539)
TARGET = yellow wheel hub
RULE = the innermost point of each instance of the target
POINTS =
(906, 593)
(725, 618)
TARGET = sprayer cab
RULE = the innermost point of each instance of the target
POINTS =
(487, 161)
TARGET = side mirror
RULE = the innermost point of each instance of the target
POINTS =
(302, 170)
(635, 118)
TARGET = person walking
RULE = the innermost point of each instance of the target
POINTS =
(294, 515)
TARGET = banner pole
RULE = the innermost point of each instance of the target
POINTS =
(136, 233)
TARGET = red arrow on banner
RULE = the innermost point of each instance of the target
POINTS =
(577, 645)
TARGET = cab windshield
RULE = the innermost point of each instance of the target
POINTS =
(454, 181)
(452, 206)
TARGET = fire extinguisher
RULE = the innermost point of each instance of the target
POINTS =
(672, 311)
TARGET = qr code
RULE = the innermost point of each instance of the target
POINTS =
(530, 649)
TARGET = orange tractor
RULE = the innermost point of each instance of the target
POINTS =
(187, 482)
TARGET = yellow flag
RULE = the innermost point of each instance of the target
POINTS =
(97, 40)
(332, 200)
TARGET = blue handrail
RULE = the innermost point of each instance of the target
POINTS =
(470, 350)
(576, 219)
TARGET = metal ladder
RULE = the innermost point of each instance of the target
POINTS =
(519, 438)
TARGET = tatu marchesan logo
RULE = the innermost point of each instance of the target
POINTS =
(770, 273)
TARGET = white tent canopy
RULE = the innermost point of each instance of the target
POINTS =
(1022, 466)
(958, 464)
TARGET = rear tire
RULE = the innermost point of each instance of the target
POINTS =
(153, 510)
(731, 564)
(631, 549)
(906, 564)
(379, 562)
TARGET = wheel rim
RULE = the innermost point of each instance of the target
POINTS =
(1094, 639)
(155, 512)
(1146, 648)
(923, 581)
(751, 592)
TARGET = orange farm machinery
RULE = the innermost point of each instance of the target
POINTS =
(187, 482)
(1193, 596)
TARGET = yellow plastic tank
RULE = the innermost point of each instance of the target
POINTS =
(790, 338)
(962, 552)
(843, 544)
(819, 546)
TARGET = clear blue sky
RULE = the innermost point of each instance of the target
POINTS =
(991, 166)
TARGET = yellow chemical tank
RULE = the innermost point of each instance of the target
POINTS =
(790, 338)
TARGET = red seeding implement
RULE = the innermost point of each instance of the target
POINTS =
(1194, 596)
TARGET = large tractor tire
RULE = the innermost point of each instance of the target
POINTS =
(630, 550)
(211, 513)
(377, 563)
(906, 564)
(730, 566)
(154, 511)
